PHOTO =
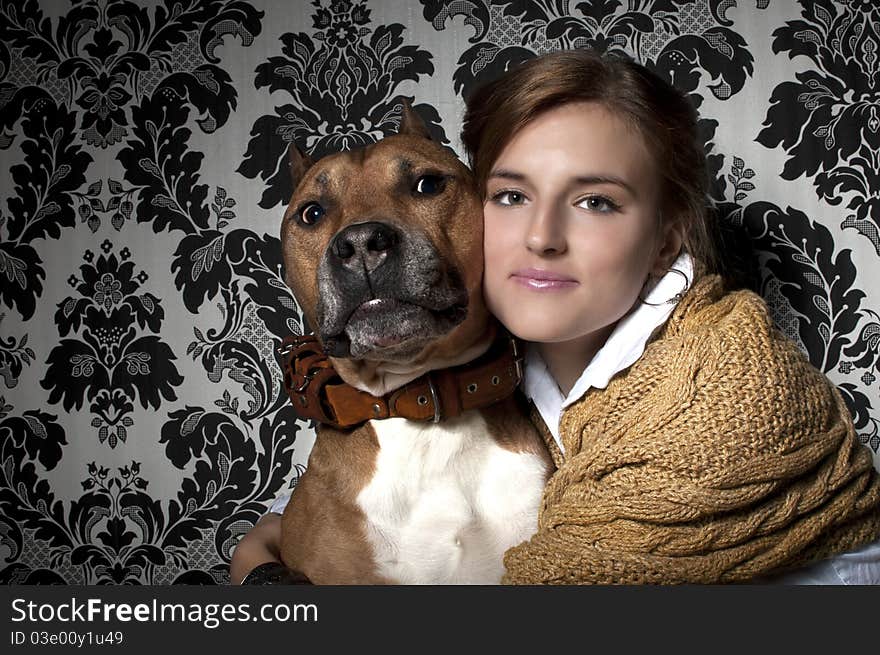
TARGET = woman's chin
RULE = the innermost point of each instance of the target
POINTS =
(536, 332)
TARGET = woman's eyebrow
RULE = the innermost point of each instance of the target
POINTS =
(505, 174)
(606, 179)
(585, 180)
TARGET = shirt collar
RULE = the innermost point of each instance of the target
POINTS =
(621, 350)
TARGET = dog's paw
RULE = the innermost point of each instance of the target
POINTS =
(272, 573)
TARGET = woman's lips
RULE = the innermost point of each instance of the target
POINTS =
(541, 280)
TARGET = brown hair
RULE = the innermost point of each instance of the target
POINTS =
(664, 117)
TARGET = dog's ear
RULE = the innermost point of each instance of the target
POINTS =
(411, 123)
(299, 163)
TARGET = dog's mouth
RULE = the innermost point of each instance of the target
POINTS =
(392, 329)
(374, 307)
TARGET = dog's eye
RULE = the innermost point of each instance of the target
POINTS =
(429, 185)
(311, 213)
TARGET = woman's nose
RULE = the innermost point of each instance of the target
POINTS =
(546, 232)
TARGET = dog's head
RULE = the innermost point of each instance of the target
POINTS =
(383, 250)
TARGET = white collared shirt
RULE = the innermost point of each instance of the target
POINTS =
(625, 345)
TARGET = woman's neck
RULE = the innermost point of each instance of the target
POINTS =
(566, 360)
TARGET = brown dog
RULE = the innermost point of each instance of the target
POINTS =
(382, 248)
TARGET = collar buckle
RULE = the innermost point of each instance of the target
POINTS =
(517, 360)
(435, 399)
(307, 378)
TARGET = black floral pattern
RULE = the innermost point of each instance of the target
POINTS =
(113, 363)
(142, 425)
(660, 33)
(344, 91)
(829, 119)
(114, 76)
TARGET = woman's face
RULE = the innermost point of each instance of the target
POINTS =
(571, 226)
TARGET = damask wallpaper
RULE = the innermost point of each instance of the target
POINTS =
(142, 428)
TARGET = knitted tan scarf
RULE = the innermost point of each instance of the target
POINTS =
(719, 456)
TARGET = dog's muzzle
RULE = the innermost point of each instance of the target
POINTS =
(384, 291)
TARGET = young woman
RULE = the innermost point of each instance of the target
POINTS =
(693, 442)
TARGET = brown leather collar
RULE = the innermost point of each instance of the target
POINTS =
(318, 393)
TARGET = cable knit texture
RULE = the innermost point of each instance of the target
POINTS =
(720, 455)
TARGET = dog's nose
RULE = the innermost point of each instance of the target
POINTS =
(364, 245)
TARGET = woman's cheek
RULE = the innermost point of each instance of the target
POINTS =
(493, 279)
(494, 299)
(493, 243)
(491, 291)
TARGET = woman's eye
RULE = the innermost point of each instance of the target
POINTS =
(311, 213)
(429, 185)
(599, 204)
(509, 198)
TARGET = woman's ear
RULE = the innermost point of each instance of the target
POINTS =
(669, 246)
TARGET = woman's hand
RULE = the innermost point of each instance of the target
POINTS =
(261, 544)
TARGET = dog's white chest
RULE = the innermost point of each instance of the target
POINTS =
(446, 501)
